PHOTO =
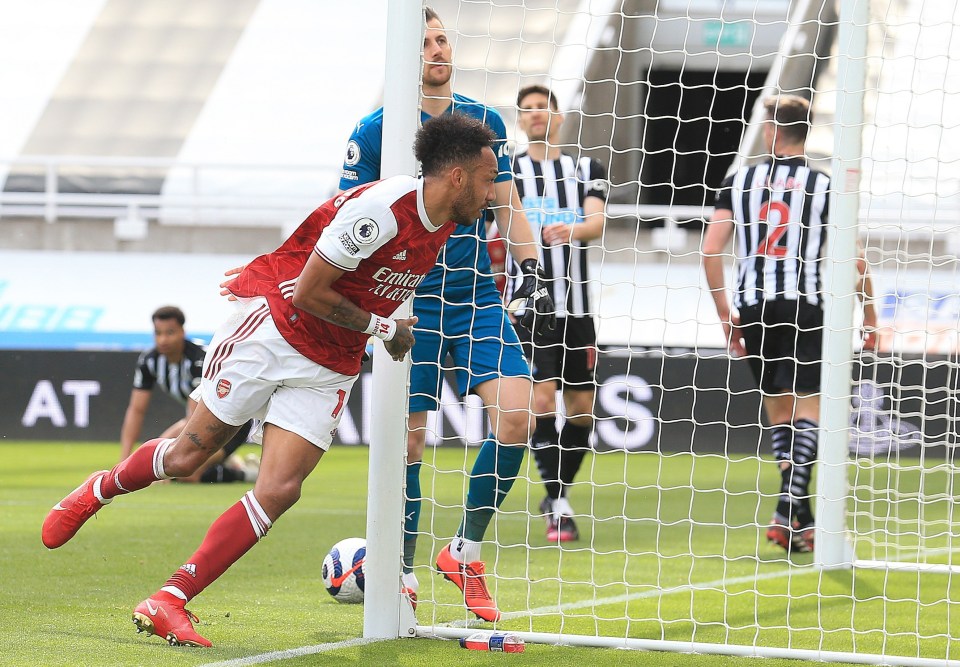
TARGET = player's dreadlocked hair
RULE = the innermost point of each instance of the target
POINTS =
(450, 139)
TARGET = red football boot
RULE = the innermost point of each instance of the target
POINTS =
(780, 534)
(66, 517)
(546, 509)
(170, 621)
(470, 578)
(803, 538)
(565, 530)
(411, 595)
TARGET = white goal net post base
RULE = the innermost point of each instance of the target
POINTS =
(561, 639)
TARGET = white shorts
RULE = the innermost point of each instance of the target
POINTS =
(251, 372)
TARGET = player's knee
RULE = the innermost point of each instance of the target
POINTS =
(278, 497)
(579, 407)
(514, 427)
(544, 407)
(779, 416)
(416, 443)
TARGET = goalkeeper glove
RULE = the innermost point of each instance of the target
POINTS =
(533, 299)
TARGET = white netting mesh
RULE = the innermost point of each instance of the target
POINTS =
(903, 491)
(673, 502)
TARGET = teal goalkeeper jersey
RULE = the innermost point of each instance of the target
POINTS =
(464, 258)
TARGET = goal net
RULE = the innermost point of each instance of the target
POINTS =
(673, 500)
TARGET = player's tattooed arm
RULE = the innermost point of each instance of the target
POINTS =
(315, 294)
(346, 314)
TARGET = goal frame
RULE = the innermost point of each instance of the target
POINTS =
(388, 614)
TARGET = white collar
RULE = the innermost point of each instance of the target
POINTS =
(422, 210)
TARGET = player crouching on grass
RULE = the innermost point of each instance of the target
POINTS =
(293, 350)
(175, 365)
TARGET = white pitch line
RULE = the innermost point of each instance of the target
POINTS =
(291, 653)
(569, 606)
(716, 584)
(654, 592)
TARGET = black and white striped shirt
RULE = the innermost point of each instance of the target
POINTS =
(554, 191)
(178, 380)
(780, 212)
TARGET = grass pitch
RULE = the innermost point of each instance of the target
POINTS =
(669, 549)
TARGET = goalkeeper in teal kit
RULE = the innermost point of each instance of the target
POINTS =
(461, 315)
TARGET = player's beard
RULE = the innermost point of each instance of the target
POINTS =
(466, 210)
(439, 77)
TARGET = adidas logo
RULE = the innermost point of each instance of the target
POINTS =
(402, 256)
(190, 569)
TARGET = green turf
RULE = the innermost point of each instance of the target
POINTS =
(630, 575)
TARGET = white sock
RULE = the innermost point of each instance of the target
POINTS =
(561, 507)
(96, 490)
(409, 580)
(158, 455)
(464, 550)
(173, 590)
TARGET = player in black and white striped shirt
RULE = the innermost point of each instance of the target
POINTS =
(778, 210)
(175, 365)
(563, 198)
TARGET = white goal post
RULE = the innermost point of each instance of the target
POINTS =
(833, 547)
(675, 496)
(386, 612)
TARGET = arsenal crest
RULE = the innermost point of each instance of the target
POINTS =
(223, 388)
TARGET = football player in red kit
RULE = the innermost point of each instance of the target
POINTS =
(292, 352)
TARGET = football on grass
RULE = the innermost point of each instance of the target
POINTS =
(343, 570)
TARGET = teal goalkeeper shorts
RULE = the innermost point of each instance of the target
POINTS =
(471, 326)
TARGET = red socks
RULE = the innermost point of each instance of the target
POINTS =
(230, 536)
(137, 471)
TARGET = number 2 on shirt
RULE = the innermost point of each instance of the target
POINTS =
(769, 246)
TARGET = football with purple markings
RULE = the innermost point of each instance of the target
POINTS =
(343, 570)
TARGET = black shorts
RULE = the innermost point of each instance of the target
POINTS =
(783, 341)
(237, 440)
(567, 355)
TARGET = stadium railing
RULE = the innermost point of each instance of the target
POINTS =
(201, 192)
(265, 195)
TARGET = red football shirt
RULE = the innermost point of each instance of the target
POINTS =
(380, 235)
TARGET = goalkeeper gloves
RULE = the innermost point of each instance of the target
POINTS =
(532, 297)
